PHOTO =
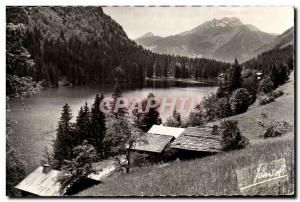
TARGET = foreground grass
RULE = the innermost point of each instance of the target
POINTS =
(213, 175)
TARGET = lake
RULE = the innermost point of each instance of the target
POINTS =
(35, 118)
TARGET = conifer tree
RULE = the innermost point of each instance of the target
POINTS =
(150, 117)
(83, 123)
(116, 111)
(63, 143)
(97, 125)
(279, 75)
(235, 77)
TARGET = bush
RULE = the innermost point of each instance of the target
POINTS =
(208, 105)
(276, 129)
(251, 84)
(231, 136)
(169, 154)
(223, 108)
(277, 93)
(174, 120)
(15, 172)
(139, 160)
(265, 99)
(240, 101)
(273, 128)
(196, 117)
(272, 132)
(270, 97)
(76, 170)
(265, 86)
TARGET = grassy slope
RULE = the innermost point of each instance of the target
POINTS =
(215, 175)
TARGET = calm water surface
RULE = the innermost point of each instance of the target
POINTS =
(36, 117)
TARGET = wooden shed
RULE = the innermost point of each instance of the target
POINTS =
(154, 143)
(43, 180)
(157, 138)
(165, 130)
(197, 139)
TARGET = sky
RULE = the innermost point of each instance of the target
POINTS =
(165, 21)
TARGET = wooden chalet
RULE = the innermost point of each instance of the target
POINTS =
(196, 140)
(154, 143)
(189, 142)
(157, 138)
(43, 181)
(164, 130)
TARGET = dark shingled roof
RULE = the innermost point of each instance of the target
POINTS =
(198, 139)
(154, 143)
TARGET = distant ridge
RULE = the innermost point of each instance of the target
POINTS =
(147, 39)
(221, 39)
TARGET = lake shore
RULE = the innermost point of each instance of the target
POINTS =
(34, 119)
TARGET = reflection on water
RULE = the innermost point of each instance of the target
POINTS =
(37, 116)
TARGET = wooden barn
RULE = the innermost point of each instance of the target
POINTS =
(154, 143)
(197, 142)
(157, 138)
(165, 130)
(43, 180)
(190, 142)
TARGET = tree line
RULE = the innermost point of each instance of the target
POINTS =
(265, 61)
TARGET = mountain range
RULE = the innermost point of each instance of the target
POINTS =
(222, 39)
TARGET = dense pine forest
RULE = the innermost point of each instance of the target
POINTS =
(265, 61)
(85, 46)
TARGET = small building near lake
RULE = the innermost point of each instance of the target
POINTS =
(153, 144)
(189, 142)
(43, 181)
(196, 140)
(157, 139)
(165, 130)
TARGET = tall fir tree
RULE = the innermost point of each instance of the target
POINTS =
(97, 125)
(116, 109)
(235, 77)
(64, 142)
(152, 116)
(83, 124)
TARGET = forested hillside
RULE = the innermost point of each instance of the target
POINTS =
(266, 61)
(83, 45)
